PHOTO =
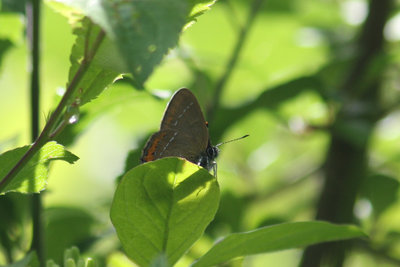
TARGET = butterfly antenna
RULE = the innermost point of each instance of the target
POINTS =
(244, 136)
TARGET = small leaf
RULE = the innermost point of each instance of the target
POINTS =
(32, 178)
(98, 75)
(163, 207)
(71, 255)
(199, 7)
(275, 238)
(72, 258)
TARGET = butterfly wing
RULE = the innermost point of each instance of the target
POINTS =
(183, 132)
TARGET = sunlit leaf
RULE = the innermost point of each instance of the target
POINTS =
(162, 208)
(199, 7)
(275, 238)
(98, 76)
(33, 176)
(142, 31)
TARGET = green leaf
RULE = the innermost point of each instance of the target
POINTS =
(163, 207)
(98, 75)
(142, 31)
(275, 238)
(199, 7)
(32, 178)
(30, 260)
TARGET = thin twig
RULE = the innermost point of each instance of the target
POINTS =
(33, 32)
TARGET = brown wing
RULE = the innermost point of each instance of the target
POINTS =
(183, 132)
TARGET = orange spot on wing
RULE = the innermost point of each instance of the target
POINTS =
(152, 149)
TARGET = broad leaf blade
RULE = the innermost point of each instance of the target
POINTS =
(32, 178)
(163, 207)
(142, 31)
(275, 238)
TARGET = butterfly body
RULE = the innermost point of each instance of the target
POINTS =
(183, 133)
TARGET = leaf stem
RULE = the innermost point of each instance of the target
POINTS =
(44, 137)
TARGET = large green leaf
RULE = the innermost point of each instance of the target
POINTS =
(33, 176)
(275, 238)
(142, 31)
(162, 208)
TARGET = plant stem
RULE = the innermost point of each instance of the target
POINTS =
(233, 59)
(44, 136)
(33, 32)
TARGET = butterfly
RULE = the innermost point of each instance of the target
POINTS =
(183, 133)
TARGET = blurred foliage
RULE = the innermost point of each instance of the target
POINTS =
(285, 91)
(72, 258)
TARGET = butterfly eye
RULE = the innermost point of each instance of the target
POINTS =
(212, 152)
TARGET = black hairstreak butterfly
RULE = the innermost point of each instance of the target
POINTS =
(183, 133)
